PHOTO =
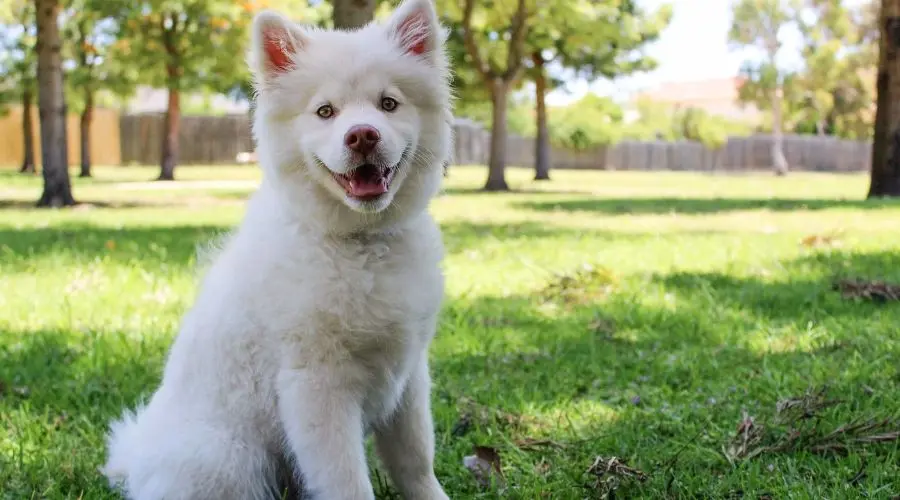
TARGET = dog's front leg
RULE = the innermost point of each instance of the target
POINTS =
(405, 443)
(322, 419)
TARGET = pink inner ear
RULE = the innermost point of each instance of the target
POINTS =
(276, 47)
(414, 33)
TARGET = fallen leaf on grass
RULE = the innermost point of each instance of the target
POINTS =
(865, 432)
(583, 287)
(876, 291)
(804, 407)
(479, 468)
(611, 472)
(795, 427)
(542, 468)
(816, 240)
(484, 464)
(616, 467)
(745, 440)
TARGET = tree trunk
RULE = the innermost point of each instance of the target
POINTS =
(52, 108)
(352, 14)
(542, 144)
(885, 171)
(779, 162)
(86, 117)
(170, 138)
(27, 134)
(496, 180)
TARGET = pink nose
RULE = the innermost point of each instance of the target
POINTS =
(362, 138)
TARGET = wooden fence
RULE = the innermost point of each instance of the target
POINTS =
(206, 140)
(104, 138)
(804, 153)
(219, 139)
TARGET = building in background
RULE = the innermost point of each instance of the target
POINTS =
(715, 96)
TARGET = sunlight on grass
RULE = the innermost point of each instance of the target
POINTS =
(711, 297)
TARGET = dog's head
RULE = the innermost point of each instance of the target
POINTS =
(353, 126)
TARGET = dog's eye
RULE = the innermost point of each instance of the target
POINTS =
(325, 111)
(389, 104)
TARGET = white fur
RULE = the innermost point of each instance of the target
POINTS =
(312, 323)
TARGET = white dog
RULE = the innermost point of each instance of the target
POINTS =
(312, 325)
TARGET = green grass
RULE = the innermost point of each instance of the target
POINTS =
(706, 306)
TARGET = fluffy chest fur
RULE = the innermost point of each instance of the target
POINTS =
(363, 305)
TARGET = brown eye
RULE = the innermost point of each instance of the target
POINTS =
(389, 104)
(325, 111)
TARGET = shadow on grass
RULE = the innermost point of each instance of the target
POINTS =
(618, 377)
(807, 296)
(142, 200)
(81, 204)
(640, 206)
(177, 245)
(645, 383)
(468, 191)
(150, 246)
(58, 392)
(10, 176)
(462, 236)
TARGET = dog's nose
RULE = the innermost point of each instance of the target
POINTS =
(362, 138)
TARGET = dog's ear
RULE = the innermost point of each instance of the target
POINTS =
(275, 42)
(415, 26)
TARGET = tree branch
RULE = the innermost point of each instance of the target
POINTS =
(82, 40)
(516, 42)
(471, 46)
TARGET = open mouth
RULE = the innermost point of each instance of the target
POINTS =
(366, 182)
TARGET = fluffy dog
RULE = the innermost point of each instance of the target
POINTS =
(312, 324)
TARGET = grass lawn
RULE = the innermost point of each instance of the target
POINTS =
(646, 317)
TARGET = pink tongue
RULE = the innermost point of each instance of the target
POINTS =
(367, 187)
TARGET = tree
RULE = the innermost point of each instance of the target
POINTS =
(52, 105)
(696, 124)
(760, 23)
(587, 123)
(97, 65)
(473, 98)
(176, 42)
(594, 40)
(835, 93)
(885, 172)
(494, 41)
(18, 69)
(352, 14)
